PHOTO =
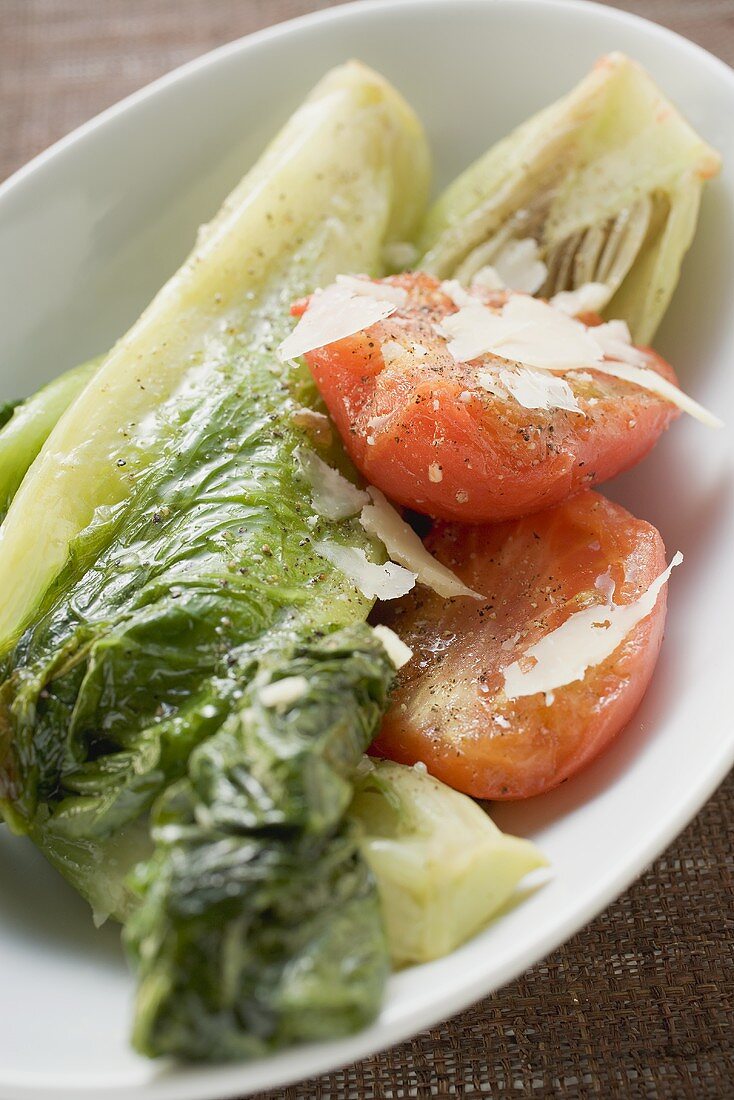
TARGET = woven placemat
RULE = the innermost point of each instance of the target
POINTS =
(639, 1004)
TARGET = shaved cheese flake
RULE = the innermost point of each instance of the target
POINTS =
(535, 390)
(524, 331)
(588, 298)
(490, 383)
(488, 278)
(519, 266)
(384, 292)
(625, 361)
(332, 495)
(396, 649)
(650, 380)
(615, 341)
(476, 330)
(333, 314)
(586, 639)
(281, 693)
(382, 582)
(458, 293)
(544, 337)
(382, 521)
(532, 333)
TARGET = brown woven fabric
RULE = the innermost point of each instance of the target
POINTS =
(639, 1004)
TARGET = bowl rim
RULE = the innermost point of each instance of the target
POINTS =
(194, 1082)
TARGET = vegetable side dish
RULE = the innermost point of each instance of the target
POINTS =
(244, 697)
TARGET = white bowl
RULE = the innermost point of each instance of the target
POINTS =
(89, 230)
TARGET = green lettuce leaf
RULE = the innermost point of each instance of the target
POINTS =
(259, 924)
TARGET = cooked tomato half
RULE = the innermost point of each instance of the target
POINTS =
(420, 426)
(450, 709)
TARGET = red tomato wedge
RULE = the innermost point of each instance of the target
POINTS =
(450, 709)
(421, 427)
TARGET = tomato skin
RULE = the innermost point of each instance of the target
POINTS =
(425, 432)
(449, 709)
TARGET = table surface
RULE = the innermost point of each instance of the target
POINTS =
(641, 1002)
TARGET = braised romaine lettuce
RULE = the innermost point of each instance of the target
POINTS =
(160, 547)
(259, 924)
(607, 181)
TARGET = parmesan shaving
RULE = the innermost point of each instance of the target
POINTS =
(535, 390)
(532, 333)
(281, 693)
(396, 649)
(458, 294)
(650, 380)
(382, 521)
(615, 341)
(334, 314)
(475, 330)
(332, 496)
(586, 639)
(385, 292)
(543, 337)
(588, 298)
(519, 266)
(379, 422)
(393, 350)
(490, 383)
(382, 582)
(488, 278)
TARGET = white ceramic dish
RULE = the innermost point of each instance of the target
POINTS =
(88, 232)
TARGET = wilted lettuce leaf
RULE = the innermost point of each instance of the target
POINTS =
(259, 924)
(141, 655)
(607, 181)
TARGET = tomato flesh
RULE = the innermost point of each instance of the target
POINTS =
(421, 427)
(450, 710)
